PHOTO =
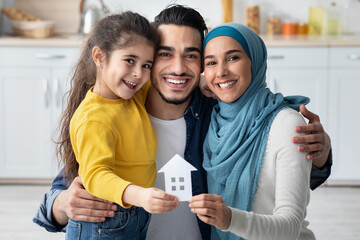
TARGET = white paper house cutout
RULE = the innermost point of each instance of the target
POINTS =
(177, 173)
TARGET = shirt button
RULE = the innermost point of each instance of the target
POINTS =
(196, 114)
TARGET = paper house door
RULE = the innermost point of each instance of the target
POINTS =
(177, 172)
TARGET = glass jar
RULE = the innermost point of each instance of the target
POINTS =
(273, 25)
(316, 18)
(289, 27)
(333, 20)
(1, 16)
(227, 6)
(302, 28)
(253, 16)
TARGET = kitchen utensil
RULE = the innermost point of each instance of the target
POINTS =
(90, 15)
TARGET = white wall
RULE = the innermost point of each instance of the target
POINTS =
(211, 10)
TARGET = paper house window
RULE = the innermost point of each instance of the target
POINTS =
(177, 172)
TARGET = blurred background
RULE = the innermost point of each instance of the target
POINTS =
(313, 50)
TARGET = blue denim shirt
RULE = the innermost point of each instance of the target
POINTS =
(197, 118)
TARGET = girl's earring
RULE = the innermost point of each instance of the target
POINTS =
(98, 64)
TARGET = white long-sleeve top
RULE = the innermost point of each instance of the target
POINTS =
(279, 206)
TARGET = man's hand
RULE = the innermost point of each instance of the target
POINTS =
(211, 209)
(316, 141)
(78, 204)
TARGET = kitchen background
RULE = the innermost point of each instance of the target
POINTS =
(34, 75)
(295, 10)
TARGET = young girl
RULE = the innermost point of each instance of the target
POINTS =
(109, 140)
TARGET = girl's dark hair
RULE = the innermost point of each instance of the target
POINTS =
(182, 16)
(110, 33)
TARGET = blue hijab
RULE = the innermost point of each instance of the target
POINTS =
(235, 144)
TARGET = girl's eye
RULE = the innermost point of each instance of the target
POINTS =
(147, 66)
(211, 63)
(131, 61)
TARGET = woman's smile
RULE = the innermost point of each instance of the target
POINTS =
(226, 85)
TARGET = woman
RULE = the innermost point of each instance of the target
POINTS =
(252, 166)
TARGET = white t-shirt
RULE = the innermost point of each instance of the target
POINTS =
(180, 223)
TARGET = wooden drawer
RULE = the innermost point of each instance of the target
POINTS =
(38, 57)
(299, 57)
(345, 57)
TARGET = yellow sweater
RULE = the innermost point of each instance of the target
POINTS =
(114, 144)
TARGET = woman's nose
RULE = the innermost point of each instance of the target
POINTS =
(221, 70)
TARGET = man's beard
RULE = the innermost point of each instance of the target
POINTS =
(174, 101)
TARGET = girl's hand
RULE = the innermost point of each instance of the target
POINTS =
(204, 88)
(211, 209)
(154, 200)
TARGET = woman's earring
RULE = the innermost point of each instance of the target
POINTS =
(98, 64)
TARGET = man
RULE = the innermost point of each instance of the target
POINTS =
(180, 115)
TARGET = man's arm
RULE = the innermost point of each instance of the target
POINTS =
(78, 204)
(318, 144)
(59, 204)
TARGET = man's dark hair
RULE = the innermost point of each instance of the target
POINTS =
(182, 16)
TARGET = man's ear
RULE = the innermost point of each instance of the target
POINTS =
(98, 56)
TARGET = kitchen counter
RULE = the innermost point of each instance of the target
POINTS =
(270, 41)
(56, 41)
(311, 41)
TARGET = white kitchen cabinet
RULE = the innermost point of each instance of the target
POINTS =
(300, 71)
(32, 82)
(344, 112)
(330, 76)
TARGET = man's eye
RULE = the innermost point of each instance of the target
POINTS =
(191, 56)
(164, 54)
(131, 61)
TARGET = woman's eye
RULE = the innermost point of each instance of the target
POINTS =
(233, 58)
(210, 63)
(131, 61)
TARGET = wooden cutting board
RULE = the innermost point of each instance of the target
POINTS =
(65, 13)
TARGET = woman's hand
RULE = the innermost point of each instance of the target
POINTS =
(153, 200)
(316, 141)
(211, 209)
(78, 204)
